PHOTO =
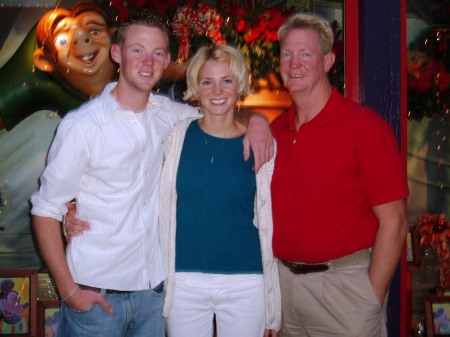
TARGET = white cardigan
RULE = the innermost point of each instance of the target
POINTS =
(263, 221)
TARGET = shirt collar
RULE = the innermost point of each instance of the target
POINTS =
(110, 105)
(322, 117)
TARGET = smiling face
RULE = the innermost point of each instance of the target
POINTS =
(142, 56)
(303, 66)
(218, 88)
(83, 49)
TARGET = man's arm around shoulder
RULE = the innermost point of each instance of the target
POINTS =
(259, 139)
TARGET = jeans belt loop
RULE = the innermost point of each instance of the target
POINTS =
(348, 260)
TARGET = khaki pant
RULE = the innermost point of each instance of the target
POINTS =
(336, 303)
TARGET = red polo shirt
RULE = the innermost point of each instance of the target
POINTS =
(327, 177)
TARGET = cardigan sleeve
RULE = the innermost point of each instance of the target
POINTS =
(264, 222)
(167, 205)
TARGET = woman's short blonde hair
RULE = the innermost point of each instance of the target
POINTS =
(310, 22)
(220, 53)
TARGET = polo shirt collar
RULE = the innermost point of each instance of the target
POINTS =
(328, 110)
(322, 117)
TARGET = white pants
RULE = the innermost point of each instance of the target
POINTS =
(237, 300)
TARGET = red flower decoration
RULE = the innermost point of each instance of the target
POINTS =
(422, 79)
(443, 81)
(434, 231)
(241, 26)
(275, 17)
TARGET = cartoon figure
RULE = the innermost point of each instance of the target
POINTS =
(10, 308)
(61, 63)
(53, 323)
(442, 323)
(76, 45)
(73, 64)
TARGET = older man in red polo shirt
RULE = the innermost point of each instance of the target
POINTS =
(339, 191)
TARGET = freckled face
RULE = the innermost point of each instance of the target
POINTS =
(142, 58)
(218, 88)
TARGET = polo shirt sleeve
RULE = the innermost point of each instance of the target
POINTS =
(381, 169)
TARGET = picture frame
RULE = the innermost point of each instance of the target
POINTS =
(18, 294)
(412, 248)
(443, 292)
(48, 318)
(437, 312)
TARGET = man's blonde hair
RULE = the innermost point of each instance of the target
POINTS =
(310, 22)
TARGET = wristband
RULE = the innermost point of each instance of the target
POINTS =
(71, 293)
(64, 225)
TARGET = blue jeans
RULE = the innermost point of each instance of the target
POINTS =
(136, 314)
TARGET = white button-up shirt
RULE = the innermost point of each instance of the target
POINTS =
(110, 161)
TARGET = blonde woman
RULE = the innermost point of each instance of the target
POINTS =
(215, 214)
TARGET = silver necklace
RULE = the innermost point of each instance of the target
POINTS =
(218, 148)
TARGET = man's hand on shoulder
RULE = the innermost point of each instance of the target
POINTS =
(258, 139)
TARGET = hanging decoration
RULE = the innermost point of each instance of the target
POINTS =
(203, 21)
(435, 232)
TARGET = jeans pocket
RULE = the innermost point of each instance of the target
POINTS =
(159, 289)
(87, 311)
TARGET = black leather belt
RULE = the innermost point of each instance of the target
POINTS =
(108, 291)
(297, 268)
(348, 260)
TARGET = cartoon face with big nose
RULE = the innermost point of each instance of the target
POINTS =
(76, 44)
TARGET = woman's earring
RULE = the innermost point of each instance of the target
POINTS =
(199, 105)
(239, 104)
